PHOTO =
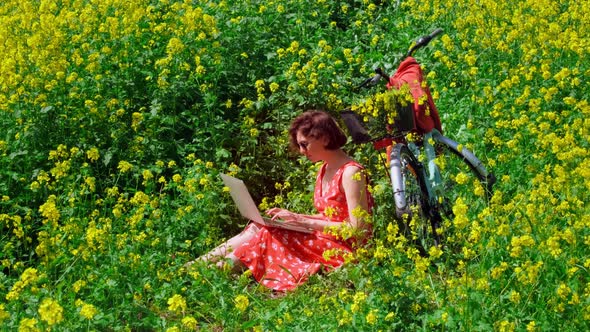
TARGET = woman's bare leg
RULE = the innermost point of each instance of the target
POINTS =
(225, 250)
(237, 265)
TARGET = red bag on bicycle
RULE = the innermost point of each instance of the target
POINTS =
(425, 112)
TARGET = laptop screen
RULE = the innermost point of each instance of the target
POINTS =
(241, 196)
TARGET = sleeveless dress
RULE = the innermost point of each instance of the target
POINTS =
(282, 259)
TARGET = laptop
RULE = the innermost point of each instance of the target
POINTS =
(248, 209)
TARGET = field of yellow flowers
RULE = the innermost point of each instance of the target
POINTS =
(118, 116)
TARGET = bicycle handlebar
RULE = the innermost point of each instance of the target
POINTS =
(371, 81)
(421, 42)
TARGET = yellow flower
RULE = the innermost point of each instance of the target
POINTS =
(241, 302)
(357, 176)
(460, 211)
(517, 242)
(35, 186)
(390, 316)
(372, 317)
(528, 273)
(514, 297)
(380, 252)
(330, 254)
(563, 291)
(124, 166)
(136, 119)
(3, 313)
(88, 311)
(78, 285)
(532, 326)
(190, 322)
(435, 252)
(345, 318)
(61, 169)
(177, 178)
(139, 198)
(461, 178)
(93, 154)
(264, 205)
(28, 325)
(478, 189)
(254, 132)
(504, 326)
(274, 87)
(147, 175)
(49, 210)
(177, 303)
(91, 182)
(294, 46)
(29, 276)
(329, 211)
(174, 46)
(50, 311)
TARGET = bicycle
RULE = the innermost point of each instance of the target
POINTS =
(420, 189)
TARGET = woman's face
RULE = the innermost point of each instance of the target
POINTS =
(310, 147)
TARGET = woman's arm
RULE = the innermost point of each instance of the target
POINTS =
(354, 186)
(315, 222)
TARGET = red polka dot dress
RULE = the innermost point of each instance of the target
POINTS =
(282, 259)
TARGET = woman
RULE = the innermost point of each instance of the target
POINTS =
(282, 259)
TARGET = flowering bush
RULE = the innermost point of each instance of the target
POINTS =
(118, 116)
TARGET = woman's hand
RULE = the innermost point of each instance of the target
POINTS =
(283, 214)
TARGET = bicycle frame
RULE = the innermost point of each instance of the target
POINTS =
(432, 172)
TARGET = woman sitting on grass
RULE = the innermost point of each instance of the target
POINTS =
(282, 259)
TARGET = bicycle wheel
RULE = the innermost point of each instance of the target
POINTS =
(418, 221)
(462, 175)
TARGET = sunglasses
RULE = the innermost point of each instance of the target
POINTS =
(303, 145)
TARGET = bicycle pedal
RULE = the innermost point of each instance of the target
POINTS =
(490, 181)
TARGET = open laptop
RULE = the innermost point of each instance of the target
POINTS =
(248, 208)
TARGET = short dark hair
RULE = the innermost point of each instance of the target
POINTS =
(317, 124)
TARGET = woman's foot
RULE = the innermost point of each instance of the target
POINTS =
(231, 262)
(225, 250)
